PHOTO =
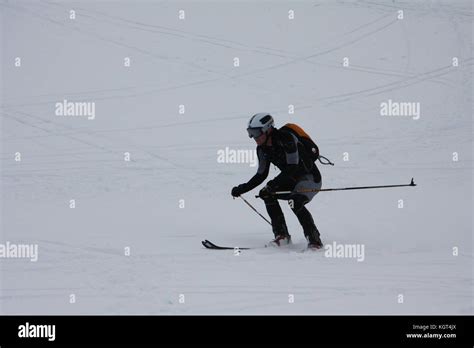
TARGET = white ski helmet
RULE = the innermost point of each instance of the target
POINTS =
(259, 124)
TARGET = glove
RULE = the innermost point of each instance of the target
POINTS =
(238, 190)
(271, 186)
(265, 192)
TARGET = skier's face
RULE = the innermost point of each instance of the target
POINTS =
(261, 139)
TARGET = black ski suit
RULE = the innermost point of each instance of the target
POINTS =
(298, 171)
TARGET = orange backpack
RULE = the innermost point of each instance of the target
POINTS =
(308, 143)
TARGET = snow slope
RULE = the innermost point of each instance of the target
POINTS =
(190, 62)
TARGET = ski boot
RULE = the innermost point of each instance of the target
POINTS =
(280, 240)
(280, 231)
(311, 234)
(314, 242)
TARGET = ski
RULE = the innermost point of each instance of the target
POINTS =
(209, 245)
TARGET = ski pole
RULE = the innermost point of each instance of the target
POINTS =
(255, 210)
(412, 183)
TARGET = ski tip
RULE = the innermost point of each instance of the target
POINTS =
(412, 183)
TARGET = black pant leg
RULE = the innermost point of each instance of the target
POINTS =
(276, 215)
(297, 204)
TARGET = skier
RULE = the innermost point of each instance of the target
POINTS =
(298, 171)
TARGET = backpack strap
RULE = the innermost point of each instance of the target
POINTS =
(325, 163)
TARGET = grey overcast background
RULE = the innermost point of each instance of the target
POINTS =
(174, 192)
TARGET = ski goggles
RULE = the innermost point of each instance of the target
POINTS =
(254, 132)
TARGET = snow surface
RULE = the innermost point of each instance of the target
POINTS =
(136, 204)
